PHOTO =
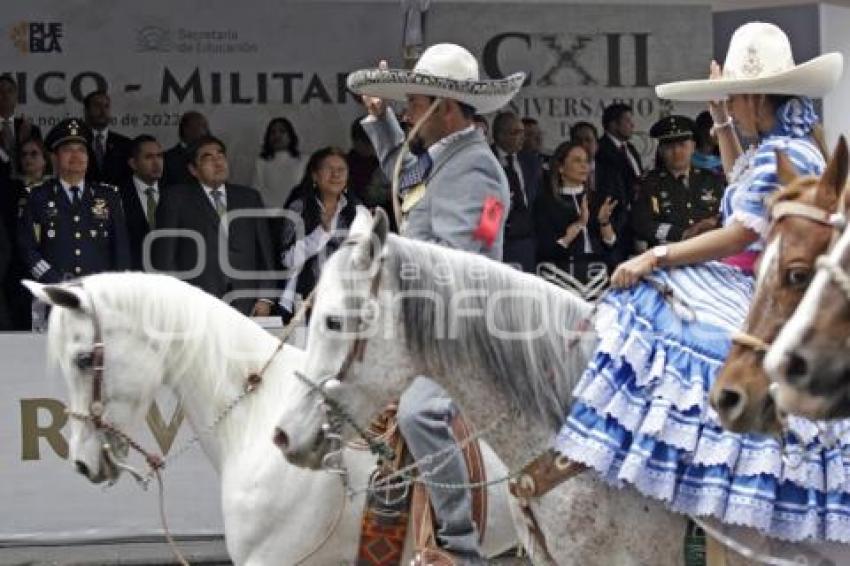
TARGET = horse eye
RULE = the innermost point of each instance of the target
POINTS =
(798, 277)
(333, 323)
(83, 361)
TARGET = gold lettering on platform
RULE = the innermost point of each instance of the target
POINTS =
(31, 431)
(164, 433)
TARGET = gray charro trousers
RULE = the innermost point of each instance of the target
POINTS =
(425, 412)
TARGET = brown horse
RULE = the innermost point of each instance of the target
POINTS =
(799, 233)
(809, 361)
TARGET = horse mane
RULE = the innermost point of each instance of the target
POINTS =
(202, 341)
(526, 336)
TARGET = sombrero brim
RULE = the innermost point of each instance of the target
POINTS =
(813, 78)
(396, 84)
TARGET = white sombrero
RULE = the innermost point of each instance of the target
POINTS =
(759, 61)
(444, 70)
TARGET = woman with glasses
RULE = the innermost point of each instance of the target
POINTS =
(316, 223)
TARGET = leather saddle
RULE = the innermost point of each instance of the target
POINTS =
(389, 512)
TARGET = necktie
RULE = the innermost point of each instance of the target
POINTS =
(99, 148)
(514, 183)
(218, 199)
(75, 196)
(8, 140)
(150, 193)
(416, 173)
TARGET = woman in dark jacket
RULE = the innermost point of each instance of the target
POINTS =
(574, 232)
(317, 223)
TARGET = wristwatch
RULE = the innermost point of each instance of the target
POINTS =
(659, 254)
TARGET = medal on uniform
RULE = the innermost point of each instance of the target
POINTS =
(93, 233)
(51, 204)
(655, 208)
(99, 210)
(51, 233)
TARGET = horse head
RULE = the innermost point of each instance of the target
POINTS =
(111, 370)
(808, 361)
(799, 233)
(347, 316)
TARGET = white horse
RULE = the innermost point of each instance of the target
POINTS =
(507, 346)
(160, 332)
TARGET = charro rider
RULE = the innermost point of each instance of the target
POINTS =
(456, 194)
(641, 416)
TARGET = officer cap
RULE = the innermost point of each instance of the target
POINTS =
(68, 130)
(672, 128)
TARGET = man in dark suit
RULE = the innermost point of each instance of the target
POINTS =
(200, 208)
(192, 127)
(109, 150)
(524, 178)
(533, 142)
(618, 169)
(140, 195)
(14, 130)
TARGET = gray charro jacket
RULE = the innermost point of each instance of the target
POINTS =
(463, 175)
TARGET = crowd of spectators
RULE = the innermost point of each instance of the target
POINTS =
(581, 209)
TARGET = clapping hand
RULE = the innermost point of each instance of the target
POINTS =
(605, 211)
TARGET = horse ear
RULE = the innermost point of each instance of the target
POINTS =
(362, 225)
(834, 177)
(371, 240)
(56, 295)
(380, 227)
(785, 170)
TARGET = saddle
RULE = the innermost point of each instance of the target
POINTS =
(386, 518)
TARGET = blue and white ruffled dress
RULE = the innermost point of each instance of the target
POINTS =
(641, 415)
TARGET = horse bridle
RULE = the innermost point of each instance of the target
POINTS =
(836, 274)
(94, 360)
(336, 414)
(782, 210)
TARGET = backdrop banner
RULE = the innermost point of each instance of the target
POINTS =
(242, 64)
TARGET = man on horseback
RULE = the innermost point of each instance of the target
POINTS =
(454, 193)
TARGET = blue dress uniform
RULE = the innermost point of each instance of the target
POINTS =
(59, 241)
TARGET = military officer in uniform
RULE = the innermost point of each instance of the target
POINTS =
(70, 227)
(675, 201)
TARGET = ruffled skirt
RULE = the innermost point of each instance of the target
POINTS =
(641, 415)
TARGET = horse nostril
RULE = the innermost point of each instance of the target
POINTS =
(280, 439)
(82, 468)
(731, 402)
(797, 366)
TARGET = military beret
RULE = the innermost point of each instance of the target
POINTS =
(68, 130)
(672, 128)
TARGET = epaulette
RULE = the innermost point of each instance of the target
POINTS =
(29, 189)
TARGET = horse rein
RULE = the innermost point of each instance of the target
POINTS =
(779, 211)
